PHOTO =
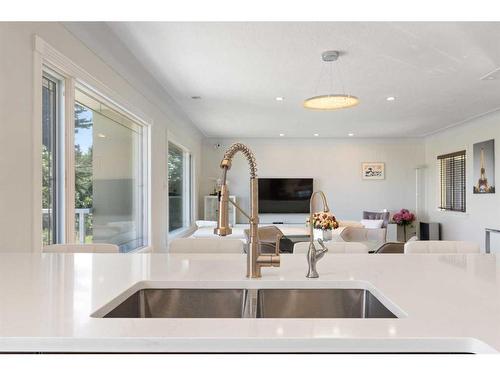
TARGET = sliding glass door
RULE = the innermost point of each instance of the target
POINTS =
(109, 186)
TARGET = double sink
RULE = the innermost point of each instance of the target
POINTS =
(251, 303)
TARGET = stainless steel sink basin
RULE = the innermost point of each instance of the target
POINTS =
(182, 303)
(251, 303)
(319, 303)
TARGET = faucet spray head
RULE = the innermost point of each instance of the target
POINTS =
(223, 229)
(225, 164)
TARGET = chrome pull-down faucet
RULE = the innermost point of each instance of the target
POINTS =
(313, 255)
(255, 260)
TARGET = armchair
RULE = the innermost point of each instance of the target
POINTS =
(353, 234)
(381, 215)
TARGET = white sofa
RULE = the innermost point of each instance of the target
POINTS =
(441, 247)
(356, 234)
(205, 229)
(348, 231)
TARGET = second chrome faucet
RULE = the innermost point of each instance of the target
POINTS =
(313, 255)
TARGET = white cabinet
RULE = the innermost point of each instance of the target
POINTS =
(212, 208)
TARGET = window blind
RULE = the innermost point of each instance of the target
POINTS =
(452, 181)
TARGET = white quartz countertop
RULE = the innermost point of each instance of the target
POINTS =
(445, 303)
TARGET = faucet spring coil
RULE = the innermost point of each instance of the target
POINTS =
(231, 151)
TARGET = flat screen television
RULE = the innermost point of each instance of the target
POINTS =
(284, 195)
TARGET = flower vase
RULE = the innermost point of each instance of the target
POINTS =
(325, 235)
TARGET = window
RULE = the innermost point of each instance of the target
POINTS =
(109, 154)
(93, 157)
(50, 120)
(109, 186)
(452, 181)
(179, 187)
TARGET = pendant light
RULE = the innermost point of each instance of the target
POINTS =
(331, 102)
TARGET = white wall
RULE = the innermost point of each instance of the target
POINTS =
(335, 165)
(482, 210)
(132, 83)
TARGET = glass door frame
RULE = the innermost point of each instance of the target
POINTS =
(58, 164)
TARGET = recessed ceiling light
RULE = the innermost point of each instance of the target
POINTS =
(282, 135)
(100, 135)
(490, 78)
(390, 98)
(280, 98)
(351, 134)
(316, 134)
(196, 97)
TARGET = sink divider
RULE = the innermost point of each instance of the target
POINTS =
(250, 305)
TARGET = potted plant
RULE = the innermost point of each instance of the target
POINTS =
(404, 218)
(323, 224)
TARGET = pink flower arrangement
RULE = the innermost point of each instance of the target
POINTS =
(403, 217)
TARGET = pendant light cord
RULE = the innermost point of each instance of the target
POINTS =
(331, 77)
(316, 89)
(331, 80)
(341, 81)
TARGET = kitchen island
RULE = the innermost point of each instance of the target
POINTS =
(441, 303)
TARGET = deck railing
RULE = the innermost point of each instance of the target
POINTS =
(80, 219)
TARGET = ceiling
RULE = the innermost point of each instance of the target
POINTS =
(238, 69)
